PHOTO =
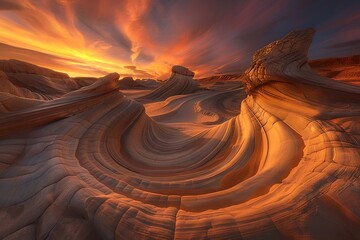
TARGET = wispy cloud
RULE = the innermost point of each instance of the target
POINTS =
(91, 37)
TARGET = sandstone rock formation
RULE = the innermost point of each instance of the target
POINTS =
(220, 78)
(16, 66)
(27, 80)
(94, 164)
(129, 83)
(148, 82)
(180, 82)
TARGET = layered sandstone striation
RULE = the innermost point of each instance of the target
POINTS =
(23, 79)
(16, 66)
(180, 82)
(95, 164)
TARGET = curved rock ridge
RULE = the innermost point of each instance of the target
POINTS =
(24, 83)
(36, 113)
(286, 60)
(204, 107)
(268, 61)
(16, 66)
(38, 86)
(94, 165)
(180, 82)
(8, 87)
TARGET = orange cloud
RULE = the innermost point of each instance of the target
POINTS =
(91, 37)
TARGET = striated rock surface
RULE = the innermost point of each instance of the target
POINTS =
(277, 58)
(23, 79)
(94, 164)
(220, 78)
(16, 66)
(180, 82)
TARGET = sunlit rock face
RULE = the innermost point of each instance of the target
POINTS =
(182, 71)
(94, 164)
(180, 82)
(16, 66)
(23, 79)
(276, 57)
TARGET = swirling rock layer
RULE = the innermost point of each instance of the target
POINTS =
(180, 82)
(95, 164)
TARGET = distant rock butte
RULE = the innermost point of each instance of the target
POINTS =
(130, 83)
(342, 68)
(338, 61)
(182, 70)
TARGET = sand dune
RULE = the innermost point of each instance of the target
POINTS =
(276, 156)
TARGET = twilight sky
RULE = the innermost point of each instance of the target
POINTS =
(144, 38)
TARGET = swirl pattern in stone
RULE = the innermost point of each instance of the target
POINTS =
(80, 159)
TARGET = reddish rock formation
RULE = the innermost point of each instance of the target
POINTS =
(343, 68)
(94, 164)
(182, 71)
(129, 83)
(221, 78)
(180, 82)
(16, 66)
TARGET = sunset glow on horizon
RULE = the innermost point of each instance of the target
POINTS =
(145, 38)
(179, 119)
